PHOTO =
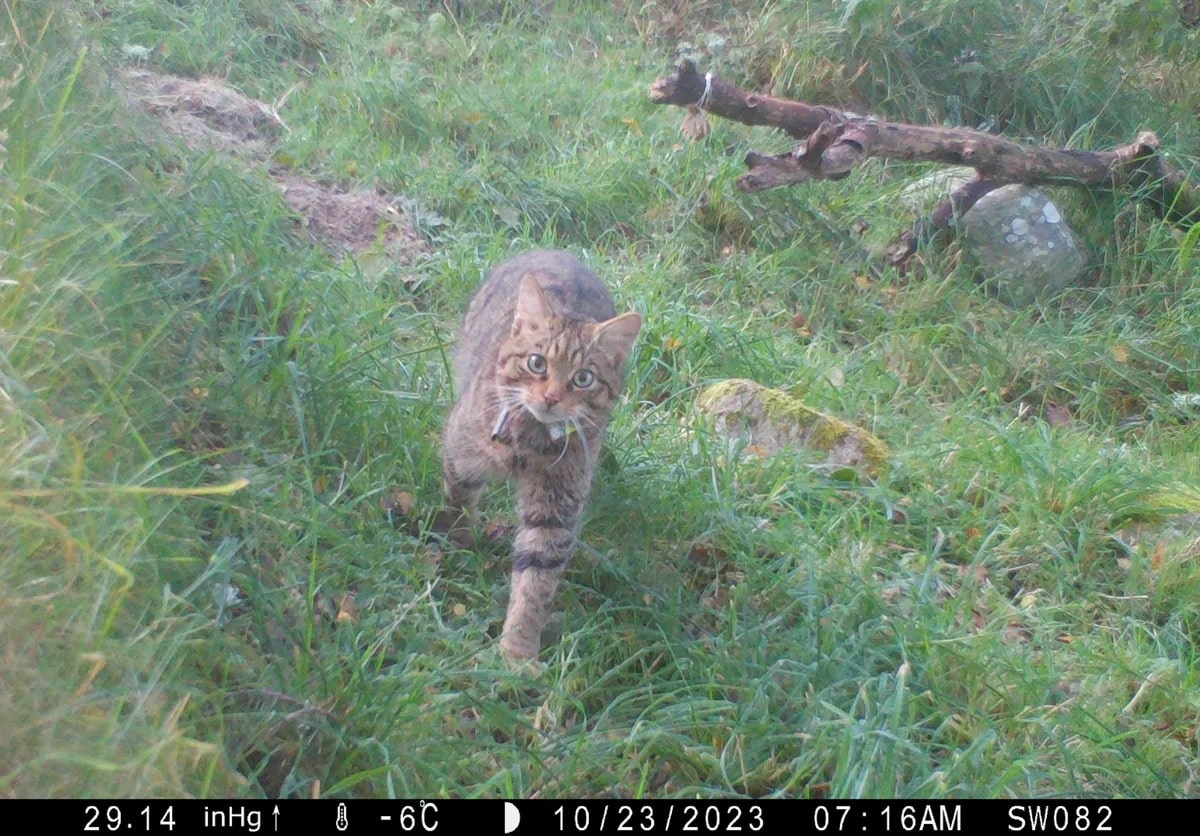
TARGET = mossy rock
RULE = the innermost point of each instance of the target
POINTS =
(771, 422)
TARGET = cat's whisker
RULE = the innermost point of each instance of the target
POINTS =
(507, 400)
(592, 422)
(511, 398)
(587, 454)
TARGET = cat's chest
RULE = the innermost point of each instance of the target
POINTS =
(520, 443)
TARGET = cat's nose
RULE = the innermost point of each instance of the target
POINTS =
(552, 397)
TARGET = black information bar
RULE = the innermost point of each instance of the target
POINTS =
(450, 817)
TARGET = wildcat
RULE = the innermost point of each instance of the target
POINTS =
(538, 365)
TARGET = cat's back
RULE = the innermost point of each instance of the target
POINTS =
(575, 291)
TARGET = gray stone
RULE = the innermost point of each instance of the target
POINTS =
(1021, 245)
(923, 195)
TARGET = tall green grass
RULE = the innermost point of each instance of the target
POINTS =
(205, 419)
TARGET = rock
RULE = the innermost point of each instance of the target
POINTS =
(1021, 245)
(772, 422)
(922, 196)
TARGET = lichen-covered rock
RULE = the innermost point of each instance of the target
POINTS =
(1021, 245)
(771, 422)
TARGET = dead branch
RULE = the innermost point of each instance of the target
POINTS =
(836, 141)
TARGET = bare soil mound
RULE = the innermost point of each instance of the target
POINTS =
(208, 115)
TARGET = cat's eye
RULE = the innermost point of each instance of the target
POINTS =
(583, 378)
(536, 363)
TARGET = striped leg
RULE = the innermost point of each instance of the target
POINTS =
(549, 521)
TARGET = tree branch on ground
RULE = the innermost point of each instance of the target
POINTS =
(834, 142)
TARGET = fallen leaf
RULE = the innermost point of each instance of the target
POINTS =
(324, 606)
(1058, 416)
(1015, 632)
(459, 610)
(398, 502)
(633, 126)
(980, 573)
(836, 377)
(347, 611)
(717, 600)
(1120, 353)
(1156, 556)
(1069, 687)
(800, 323)
(702, 552)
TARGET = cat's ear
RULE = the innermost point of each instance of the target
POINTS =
(533, 306)
(616, 335)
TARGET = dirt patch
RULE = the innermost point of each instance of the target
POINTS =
(354, 221)
(208, 115)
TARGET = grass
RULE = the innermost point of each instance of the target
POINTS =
(203, 417)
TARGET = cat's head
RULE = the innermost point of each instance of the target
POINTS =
(563, 370)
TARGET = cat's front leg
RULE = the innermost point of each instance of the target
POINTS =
(466, 468)
(549, 523)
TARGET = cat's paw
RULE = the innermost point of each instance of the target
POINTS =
(521, 658)
(525, 666)
(493, 657)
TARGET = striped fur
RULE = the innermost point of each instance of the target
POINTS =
(538, 367)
